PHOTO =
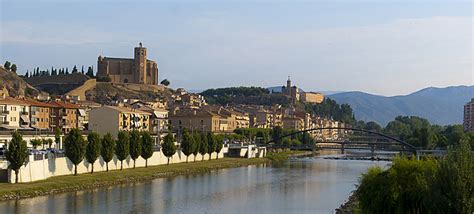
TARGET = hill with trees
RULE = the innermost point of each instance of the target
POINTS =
(15, 85)
(243, 95)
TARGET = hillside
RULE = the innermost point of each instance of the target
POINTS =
(15, 85)
(441, 106)
(243, 95)
(58, 84)
(105, 93)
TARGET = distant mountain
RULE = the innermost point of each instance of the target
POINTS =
(441, 106)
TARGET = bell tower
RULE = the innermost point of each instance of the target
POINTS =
(140, 64)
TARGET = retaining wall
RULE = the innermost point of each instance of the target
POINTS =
(50, 167)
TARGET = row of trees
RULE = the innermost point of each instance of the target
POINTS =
(61, 71)
(133, 144)
(420, 133)
(10, 67)
(261, 135)
(198, 142)
(427, 186)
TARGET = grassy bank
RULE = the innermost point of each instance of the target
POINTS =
(88, 181)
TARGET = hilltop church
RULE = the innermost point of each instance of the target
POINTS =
(138, 70)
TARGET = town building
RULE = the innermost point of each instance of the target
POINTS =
(312, 97)
(197, 120)
(14, 114)
(112, 119)
(295, 94)
(83, 113)
(63, 116)
(158, 118)
(40, 114)
(138, 70)
(468, 120)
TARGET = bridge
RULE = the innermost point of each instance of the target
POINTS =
(371, 140)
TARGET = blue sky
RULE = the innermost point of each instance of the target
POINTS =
(382, 47)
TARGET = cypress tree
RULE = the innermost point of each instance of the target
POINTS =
(197, 144)
(122, 149)
(168, 147)
(75, 147)
(135, 146)
(147, 147)
(211, 142)
(93, 149)
(187, 144)
(16, 153)
(107, 149)
(203, 148)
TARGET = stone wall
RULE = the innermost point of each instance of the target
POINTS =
(50, 167)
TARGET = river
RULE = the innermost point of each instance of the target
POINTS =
(302, 185)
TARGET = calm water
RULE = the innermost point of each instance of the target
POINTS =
(306, 185)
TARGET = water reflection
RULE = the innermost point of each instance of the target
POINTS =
(305, 185)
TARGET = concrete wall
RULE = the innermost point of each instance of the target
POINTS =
(4, 139)
(50, 167)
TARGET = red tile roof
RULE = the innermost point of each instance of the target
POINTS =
(59, 104)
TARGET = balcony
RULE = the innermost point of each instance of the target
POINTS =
(4, 123)
(24, 113)
(3, 111)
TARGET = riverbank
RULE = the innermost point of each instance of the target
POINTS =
(350, 206)
(284, 155)
(69, 183)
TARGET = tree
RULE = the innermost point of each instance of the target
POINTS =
(7, 65)
(74, 69)
(122, 149)
(93, 149)
(168, 147)
(147, 147)
(57, 136)
(50, 142)
(165, 82)
(82, 69)
(107, 149)
(197, 144)
(135, 145)
(187, 144)
(219, 144)
(36, 142)
(90, 72)
(211, 144)
(277, 133)
(45, 142)
(203, 148)
(16, 153)
(14, 68)
(453, 188)
(75, 147)
(27, 74)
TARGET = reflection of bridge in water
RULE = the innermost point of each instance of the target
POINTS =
(358, 139)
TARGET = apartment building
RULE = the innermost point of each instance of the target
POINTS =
(63, 116)
(468, 120)
(197, 120)
(112, 119)
(40, 114)
(14, 114)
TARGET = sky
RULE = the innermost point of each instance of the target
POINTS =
(386, 47)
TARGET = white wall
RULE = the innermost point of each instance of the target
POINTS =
(50, 167)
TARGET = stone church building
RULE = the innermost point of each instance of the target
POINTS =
(138, 70)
